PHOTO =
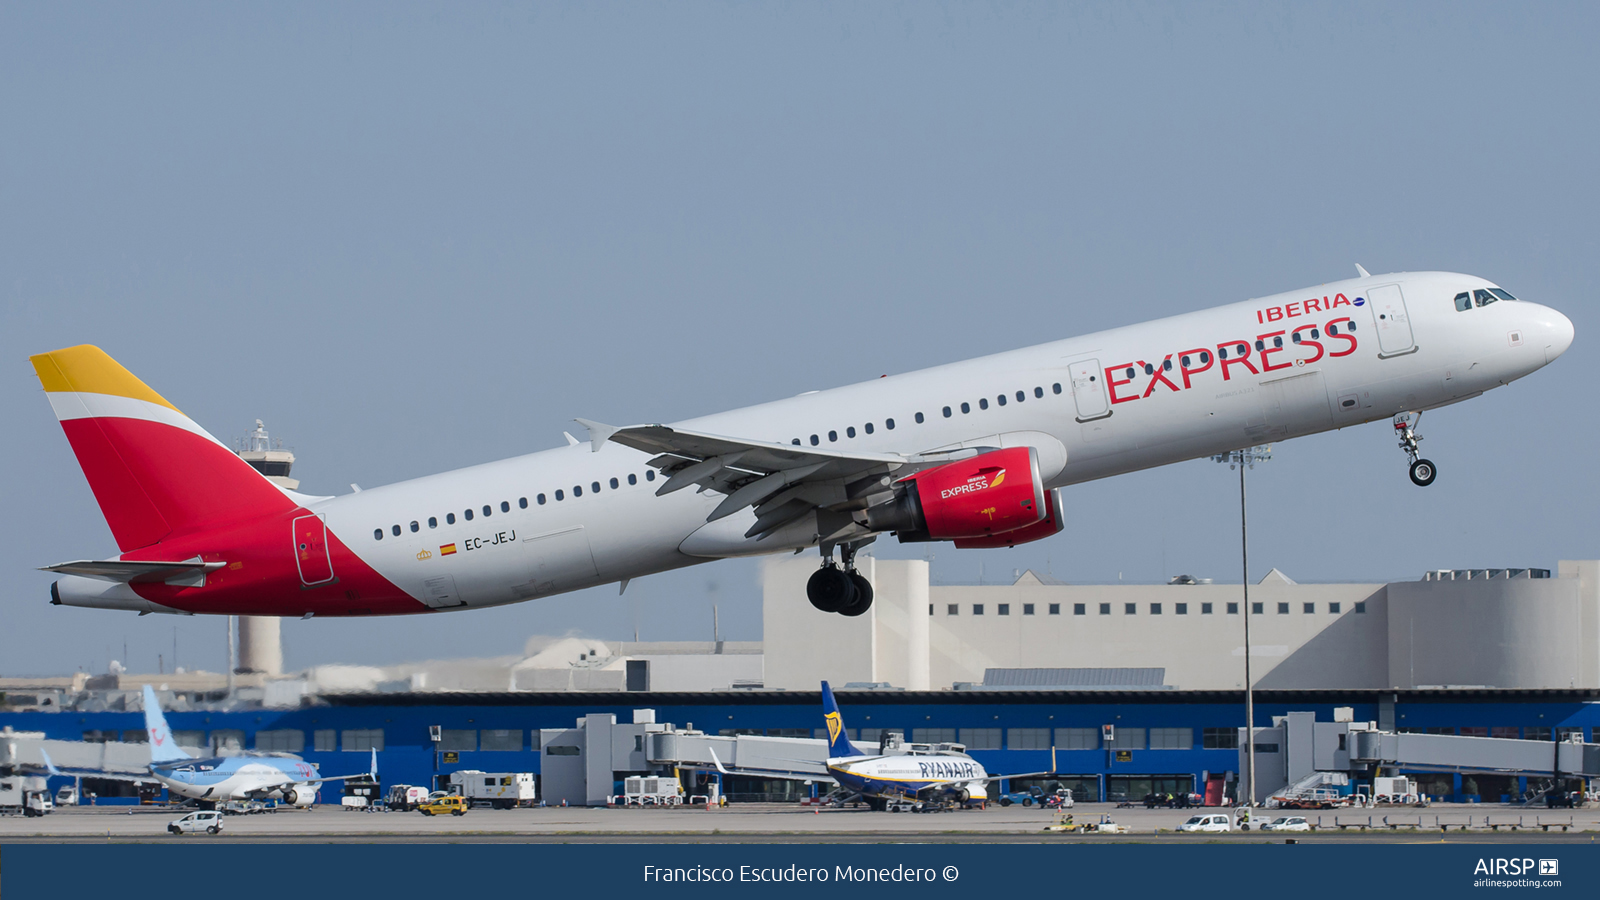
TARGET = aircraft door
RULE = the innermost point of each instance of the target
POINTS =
(1088, 389)
(557, 560)
(311, 550)
(1390, 319)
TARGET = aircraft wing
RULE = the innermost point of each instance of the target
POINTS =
(1022, 775)
(782, 481)
(371, 774)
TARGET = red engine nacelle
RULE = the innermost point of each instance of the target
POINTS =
(978, 498)
(1052, 523)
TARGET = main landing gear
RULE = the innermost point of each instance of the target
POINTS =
(1423, 471)
(844, 591)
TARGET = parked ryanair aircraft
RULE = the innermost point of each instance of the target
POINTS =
(926, 773)
(973, 452)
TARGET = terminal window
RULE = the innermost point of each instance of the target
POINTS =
(977, 609)
(933, 735)
(1077, 609)
(1219, 738)
(1361, 606)
(953, 609)
(281, 740)
(1283, 609)
(981, 738)
(1105, 609)
(1181, 609)
(1155, 609)
(1171, 738)
(1233, 609)
(458, 739)
(1028, 739)
(1257, 609)
(325, 740)
(822, 733)
(1027, 609)
(1055, 609)
(561, 750)
(362, 739)
(1129, 609)
(1310, 608)
(502, 739)
(1536, 733)
(1128, 739)
(1003, 609)
(1205, 609)
(1078, 738)
(1334, 607)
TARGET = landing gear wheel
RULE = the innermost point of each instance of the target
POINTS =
(863, 598)
(831, 589)
(1423, 472)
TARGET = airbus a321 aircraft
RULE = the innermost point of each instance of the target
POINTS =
(974, 452)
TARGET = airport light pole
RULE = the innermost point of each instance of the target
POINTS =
(1242, 460)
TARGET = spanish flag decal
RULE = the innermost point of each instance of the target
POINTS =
(447, 549)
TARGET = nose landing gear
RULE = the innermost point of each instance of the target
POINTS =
(844, 591)
(1423, 471)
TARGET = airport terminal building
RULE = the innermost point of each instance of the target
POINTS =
(1026, 675)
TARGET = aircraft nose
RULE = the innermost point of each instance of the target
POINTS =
(1558, 333)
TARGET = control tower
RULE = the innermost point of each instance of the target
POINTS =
(260, 637)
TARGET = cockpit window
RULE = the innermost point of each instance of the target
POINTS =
(1463, 301)
(1483, 297)
(1503, 295)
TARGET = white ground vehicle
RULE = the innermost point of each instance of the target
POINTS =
(67, 795)
(207, 820)
(651, 790)
(1287, 823)
(1213, 822)
(499, 790)
(405, 797)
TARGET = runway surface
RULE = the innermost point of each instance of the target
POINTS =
(781, 823)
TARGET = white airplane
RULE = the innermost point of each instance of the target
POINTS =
(928, 773)
(247, 776)
(974, 452)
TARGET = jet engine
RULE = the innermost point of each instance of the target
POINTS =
(971, 499)
(299, 795)
(1052, 523)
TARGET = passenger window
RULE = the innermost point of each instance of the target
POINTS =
(1184, 361)
(1243, 349)
(1057, 386)
(850, 431)
(396, 530)
(377, 534)
(560, 495)
(1001, 399)
(449, 518)
(1021, 396)
(650, 475)
(1463, 301)
(1205, 357)
(1277, 341)
(1261, 345)
(966, 408)
(833, 436)
(1315, 335)
(1484, 298)
(1130, 372)
(796, 442)
(505, 505)
(1295, 337)
(468, 514)
(868, 427)
(539, 499)
(983, 403)
(615, 484)
(918, 418)
(433, 521)
(577, 490)
(1333, 329)
(415, 527)
(1149, 369)
(1038, 392)
(1222, 352)
(889, 423)
(594, 486)
(947, 412)
(522, 503)
(632, 478)
(487, 510)
(1166, 364)
(814, 440)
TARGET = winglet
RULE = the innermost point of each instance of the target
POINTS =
(838, 740)
(717, 762)
(598, 433)
(48, 765)
(163, 746)
(374, 770)
(1364, 272)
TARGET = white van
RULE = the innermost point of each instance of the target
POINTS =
(1213, 822)
(207, 820)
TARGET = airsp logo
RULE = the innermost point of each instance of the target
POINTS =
(1549, 867)
(1502, 866)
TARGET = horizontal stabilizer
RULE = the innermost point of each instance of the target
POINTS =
(136, 571)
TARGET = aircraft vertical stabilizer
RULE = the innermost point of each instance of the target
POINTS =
(838, 741)
(163, 746)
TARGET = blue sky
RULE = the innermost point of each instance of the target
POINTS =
(417, 237)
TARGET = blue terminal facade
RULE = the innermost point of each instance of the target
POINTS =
(1164, 740)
